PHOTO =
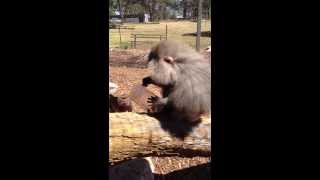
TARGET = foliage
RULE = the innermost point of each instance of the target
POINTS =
(112, 7)
(158, 9)
(136, 9)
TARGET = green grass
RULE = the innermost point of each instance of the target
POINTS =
(175, 32)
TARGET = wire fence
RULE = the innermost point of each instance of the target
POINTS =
(141, 35)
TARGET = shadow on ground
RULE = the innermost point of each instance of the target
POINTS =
(176, 127)
(203, 34)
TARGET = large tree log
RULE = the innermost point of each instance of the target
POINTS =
(135, 135)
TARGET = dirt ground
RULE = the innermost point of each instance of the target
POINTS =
(127, 69)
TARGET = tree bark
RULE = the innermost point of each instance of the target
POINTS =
(199, 25)
(135, 135)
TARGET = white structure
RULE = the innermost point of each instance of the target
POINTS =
(146, 17)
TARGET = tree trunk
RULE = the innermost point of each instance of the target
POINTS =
(153, 11)
(164, 15)
(120, 11)
(184, 9)
(135, 135)
(199, 25)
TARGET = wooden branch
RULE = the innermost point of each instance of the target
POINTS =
(135, 135)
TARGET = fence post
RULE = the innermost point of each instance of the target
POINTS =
(166, 31)
(120, 36)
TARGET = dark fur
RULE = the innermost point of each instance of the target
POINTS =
(185, 83)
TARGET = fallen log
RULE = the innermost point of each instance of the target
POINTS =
(134, 135)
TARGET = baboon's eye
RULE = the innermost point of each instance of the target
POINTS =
(168, 59)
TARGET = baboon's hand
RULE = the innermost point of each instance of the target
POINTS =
(146, 81)
(156, 103)
(153, 99)
(151, 103)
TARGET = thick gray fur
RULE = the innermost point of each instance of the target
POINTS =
(186, 83)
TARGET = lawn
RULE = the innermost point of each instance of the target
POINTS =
(176, 31)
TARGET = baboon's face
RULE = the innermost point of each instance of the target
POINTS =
(166, 60)
(163, 69)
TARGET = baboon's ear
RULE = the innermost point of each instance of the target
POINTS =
(168, 59)
(146, 56)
